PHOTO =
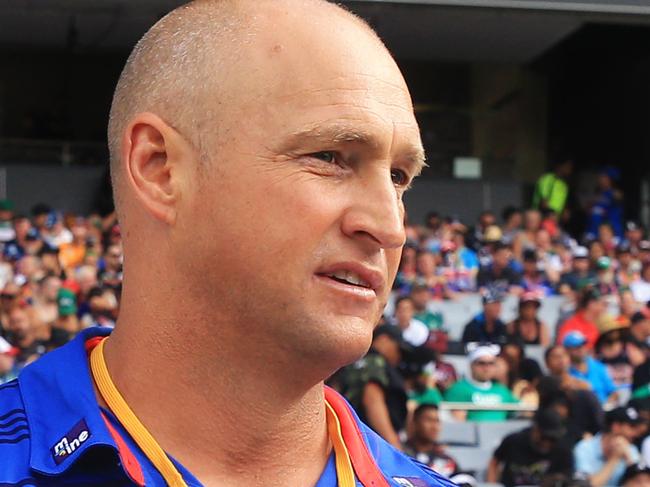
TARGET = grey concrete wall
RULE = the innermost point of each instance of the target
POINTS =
(70, 189)
(462, 198)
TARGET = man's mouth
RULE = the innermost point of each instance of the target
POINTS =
(349, 277)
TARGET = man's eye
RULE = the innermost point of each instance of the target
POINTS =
(325, 156)
(399, 177)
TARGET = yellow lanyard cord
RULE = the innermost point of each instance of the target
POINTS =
(129, 420)
(344, 471)
(157, 456)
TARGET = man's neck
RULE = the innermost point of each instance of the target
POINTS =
(214, 408)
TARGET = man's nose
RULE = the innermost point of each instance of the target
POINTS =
(376, 212)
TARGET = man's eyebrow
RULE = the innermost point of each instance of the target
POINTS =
(336, 134)
(340, 133)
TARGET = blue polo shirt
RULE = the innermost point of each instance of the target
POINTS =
(598, 376)
(53, 433)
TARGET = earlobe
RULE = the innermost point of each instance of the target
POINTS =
(151, 164)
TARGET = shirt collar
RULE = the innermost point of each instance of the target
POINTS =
(60, 405)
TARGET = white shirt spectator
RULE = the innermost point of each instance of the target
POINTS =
(640, 290)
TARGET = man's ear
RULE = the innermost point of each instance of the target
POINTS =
(154, 156)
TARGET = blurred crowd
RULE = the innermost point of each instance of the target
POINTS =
(58, 274)
(586, 396)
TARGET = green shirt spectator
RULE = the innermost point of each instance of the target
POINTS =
(493, 394)
(430, 395)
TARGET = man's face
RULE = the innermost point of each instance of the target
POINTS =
(302, 196)
(427, 426)
(19, 323)
(577, 354)
(404, 312)
(483, 369)
(581, 265)
(421, 298)
(558, 361)
(486, 220)
(492, 310)
(502, 258)
(426, 264)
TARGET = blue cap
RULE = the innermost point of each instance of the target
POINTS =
(574, 339)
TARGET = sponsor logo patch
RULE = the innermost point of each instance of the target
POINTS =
(73, 439)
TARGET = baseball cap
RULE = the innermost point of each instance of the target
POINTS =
(7, 349)
(632, 226)
(66, 301)
(574, 339)
(550, 423)
(530, 297)
(623, 414)
(603, 263)
(644, 245)
(478, 351)
(580, 253)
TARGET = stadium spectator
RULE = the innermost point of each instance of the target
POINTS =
(533, 278)
(428, 273)
(604, 458)
(558, 364)
(527, 327)
(587, 368)
(627, 307)
(512, 221)
(618, 353)
(639, 331)
(606, 207)
(581, 275)
(487, 326)
(591, 308)
(413, 331)
(579, 407)
(45, 306)
(526, 238)
(640, 287)
(423, 444)
(21, 334)
(526, 457)
(499, 274)
(374, 386)
(552, 189)
(421, 297)
(480, 389)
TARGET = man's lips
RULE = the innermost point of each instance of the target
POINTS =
(354, 274)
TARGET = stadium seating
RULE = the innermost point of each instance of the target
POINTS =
(458, 434)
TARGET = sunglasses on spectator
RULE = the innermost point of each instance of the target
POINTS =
(484, 362)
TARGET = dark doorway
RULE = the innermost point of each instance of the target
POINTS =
(599, 104)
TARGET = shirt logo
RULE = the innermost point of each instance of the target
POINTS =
(73, 439)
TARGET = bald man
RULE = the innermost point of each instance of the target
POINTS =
(260, 150)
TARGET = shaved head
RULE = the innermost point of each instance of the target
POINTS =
(188, 67)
